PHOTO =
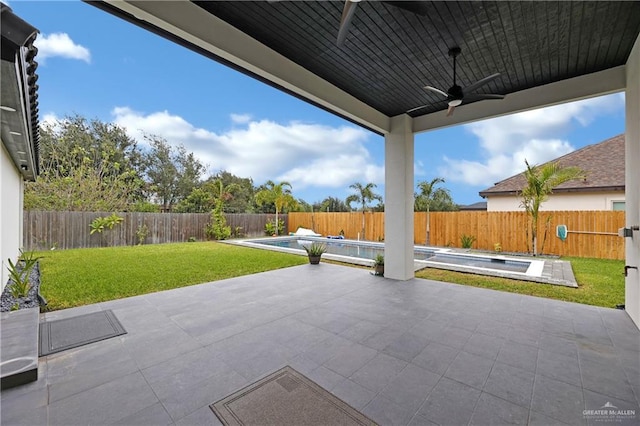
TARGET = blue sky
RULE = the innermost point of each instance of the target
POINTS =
(99, 66)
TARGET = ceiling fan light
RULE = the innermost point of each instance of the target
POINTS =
(455, 102)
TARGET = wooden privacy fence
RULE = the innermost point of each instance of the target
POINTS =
(591, 233)
(333, 223)
(64, 230)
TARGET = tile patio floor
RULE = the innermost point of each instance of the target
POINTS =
(415, 352)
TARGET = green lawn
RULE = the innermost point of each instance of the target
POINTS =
(84, 276)
(600, 281)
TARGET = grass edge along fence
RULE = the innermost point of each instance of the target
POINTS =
(590, 233)
(44, 230)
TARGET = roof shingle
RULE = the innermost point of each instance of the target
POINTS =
(603, 164)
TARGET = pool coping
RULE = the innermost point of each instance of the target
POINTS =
(542, 270)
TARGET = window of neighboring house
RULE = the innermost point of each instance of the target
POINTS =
(617, 205)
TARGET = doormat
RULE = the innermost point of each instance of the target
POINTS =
(286, 397)
(60, 335)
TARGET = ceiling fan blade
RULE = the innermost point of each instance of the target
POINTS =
(450, 110)
(482, 82)
(417, 7)
(481, 97)
(433, 89)
(416, 108)
(349, 9)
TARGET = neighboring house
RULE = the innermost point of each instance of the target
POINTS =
(475, 207)
(602, 188)
(19, 129)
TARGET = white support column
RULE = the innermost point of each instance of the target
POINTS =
(632, 186)
(398, 200)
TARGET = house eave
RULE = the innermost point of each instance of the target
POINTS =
(19, 94)
(611, 188)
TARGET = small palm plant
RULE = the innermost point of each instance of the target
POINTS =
(20, 272)
(378, 265)
(315, 251)
(467, 241)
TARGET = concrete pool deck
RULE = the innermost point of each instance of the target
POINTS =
(543, 270)
(554, 271)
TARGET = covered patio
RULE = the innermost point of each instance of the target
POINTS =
(370, 62)
(413, 352)
(399, 349)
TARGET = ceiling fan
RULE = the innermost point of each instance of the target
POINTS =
(350, 7)
(456, 95)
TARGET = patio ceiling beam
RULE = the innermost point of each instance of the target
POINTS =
(596, 84)
(224, 42)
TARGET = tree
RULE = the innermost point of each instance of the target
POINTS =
(431, 198)
(364, 195)
(171, 173)
(199, 201)
(331, 204)
(84, 188)
(241, 189)
(222, 192)
(235, 193)
(278, 194)
(85, 166)
(540, 181)
(69, 142)
(302, 206)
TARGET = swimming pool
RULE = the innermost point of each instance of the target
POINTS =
(363, 252)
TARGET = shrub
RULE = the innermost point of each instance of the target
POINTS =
(99, 224)
(270, 227)
(141, 233)
(217, 229)
(237, 232)
(467, 240)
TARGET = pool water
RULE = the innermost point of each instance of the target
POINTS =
(368, 251)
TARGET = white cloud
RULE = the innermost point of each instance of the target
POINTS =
(301, 153)
(60, 44)
(240, 118)
(334, 172)
(51, 121)
(533, 135)
(502, 165)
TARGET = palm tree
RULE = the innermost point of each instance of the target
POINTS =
(427, 196)
(278, 194)
(540, 182)
(220, 191)
(333, 204)
(364, 195)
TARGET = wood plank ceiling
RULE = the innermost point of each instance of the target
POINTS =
(391, 53)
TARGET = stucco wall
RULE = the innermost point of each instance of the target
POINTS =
(560, 202)
(11, 198)
(632, 156)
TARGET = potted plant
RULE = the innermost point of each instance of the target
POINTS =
(378, 265)
(314, 251)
